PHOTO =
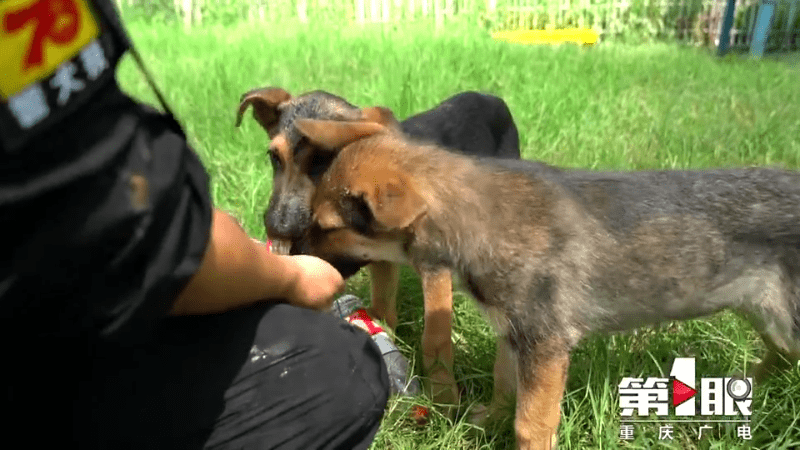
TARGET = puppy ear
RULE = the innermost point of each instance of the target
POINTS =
(266, 103)
(381, 115)
(333, 134)
(393, 199)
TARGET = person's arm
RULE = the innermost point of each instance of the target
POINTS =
(237, 271)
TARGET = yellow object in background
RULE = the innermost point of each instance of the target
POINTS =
(576, 35)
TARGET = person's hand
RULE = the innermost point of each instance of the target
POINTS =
(316, 283)
(238, 270)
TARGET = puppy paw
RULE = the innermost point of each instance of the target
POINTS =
(478, 415)
(445, 393)
(441, 386)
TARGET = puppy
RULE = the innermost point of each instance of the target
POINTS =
(554, 255)
(469, 122)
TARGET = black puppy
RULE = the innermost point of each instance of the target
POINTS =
(471, 123)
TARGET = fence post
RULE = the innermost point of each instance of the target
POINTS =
(790, 24)
(302, 11)
(177, 5)
(187, 14)
(763, 24)
(373, 11)
(197, 12)
(725, 32)
(360, 11)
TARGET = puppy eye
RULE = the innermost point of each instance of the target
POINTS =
(357, 215)
(275, 160)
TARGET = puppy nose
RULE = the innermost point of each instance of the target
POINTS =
(289, 220)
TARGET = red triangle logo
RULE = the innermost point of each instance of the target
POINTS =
(681, 392)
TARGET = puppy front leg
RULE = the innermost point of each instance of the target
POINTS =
(541, 377)
(505, 376)
(505, 384)
(384, 278)
(437, 345)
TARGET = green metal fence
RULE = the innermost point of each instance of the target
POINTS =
(765, 25)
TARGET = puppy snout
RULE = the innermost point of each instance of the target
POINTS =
(287, 220)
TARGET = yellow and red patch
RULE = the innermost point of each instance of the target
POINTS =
(37, 36)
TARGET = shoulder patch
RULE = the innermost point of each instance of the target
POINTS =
(52, 59)
(36, 37)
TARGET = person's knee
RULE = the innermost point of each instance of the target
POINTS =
(310, 380)
(364, 384)
(340, 365)
(344, 356)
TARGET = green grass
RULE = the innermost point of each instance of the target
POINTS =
(608, 107)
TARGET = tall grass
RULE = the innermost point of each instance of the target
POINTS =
(608, 107)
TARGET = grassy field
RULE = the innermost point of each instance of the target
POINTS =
(608, 107)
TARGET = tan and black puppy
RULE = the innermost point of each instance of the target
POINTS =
(470, 123)
(553, 255)
(296, 163)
